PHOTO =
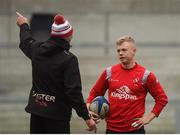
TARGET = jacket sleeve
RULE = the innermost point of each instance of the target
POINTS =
(27, 42)
(73, 88)
(157, 92)
(99, 88)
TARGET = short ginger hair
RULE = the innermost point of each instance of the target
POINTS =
(125, 39)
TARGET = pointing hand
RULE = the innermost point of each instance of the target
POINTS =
(21, 19)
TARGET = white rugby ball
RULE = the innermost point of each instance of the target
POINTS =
(100, 106)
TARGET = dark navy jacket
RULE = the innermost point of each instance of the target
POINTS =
(56, 83)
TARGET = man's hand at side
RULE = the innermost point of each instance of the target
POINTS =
(91, 125)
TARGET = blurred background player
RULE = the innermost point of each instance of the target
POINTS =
(56, 82)
(127, 84)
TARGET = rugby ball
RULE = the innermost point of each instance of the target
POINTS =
(100, 106)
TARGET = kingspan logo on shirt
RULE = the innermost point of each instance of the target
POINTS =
(124, 93)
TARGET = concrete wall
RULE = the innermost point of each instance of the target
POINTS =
(92, 28)
(15, 83)
(149, 28)
(123, 6)
(149, 21)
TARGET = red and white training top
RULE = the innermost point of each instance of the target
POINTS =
(127, 90)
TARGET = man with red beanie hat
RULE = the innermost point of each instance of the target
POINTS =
(56, 85)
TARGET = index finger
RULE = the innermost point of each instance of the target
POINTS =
(135, 119)
(18, 14)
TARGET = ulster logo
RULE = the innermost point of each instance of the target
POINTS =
(135, 81)
(43, 97)
(124, 93)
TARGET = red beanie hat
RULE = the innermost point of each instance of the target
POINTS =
(61, 27)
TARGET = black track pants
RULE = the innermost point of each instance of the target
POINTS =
(41, 125)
